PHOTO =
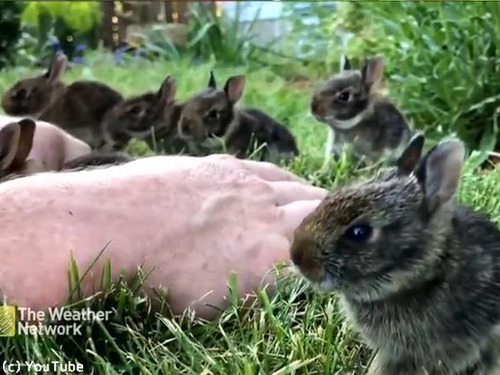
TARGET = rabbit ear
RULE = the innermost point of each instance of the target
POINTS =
(347, 64)
(211, 82)
(57, 67)
(439, 172)
(411, 155)
(167, 91)
(234, 88)
(372, 71)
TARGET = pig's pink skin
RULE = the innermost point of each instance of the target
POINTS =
(52, 146)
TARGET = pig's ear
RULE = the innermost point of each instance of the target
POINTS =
(16, 140)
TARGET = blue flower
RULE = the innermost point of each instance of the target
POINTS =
(78, 59)
(55, 46)
(81, 47)
(118, 55)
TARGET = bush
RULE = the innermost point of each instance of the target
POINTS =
(67, 25)
(10, 24)
(442, 59)
(206, 37)
(443, 63)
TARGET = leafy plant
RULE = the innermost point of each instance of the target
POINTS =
(79, 15)
(207, 37)
(219, 37)
(310, 35)
(10, 24)
(442, 59)
(68, 23)
(158, 42)
(443, 62)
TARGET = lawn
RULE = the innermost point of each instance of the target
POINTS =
(297, 331)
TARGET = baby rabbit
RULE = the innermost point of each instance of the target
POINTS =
(151, 117)
(78, 108)
(419, 275)
(348, 102)
(213, 113)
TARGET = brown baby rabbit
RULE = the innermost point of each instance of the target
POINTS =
(419, 275)
(78, 108)
(357, 115)
(151, 117)
(213, 113)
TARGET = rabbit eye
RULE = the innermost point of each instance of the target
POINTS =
(135, 110)
(20, 94)
(358, 233)
(344, 96)
(213, 114)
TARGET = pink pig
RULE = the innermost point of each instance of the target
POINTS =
(28, 146)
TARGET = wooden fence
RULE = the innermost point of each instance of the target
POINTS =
(119, 17)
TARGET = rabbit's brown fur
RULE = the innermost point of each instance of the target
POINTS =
(213, 113)
(358, 116)
(151, 117)
(78, 108)
(418, 275)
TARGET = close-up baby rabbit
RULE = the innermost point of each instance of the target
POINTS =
(151, 117)
(214, 113)
(78, 108)
(418, 274)
(358, 116)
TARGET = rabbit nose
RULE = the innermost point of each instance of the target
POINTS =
(304, 255)
(314, 106)
(184, 130)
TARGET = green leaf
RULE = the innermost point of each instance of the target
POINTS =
(201, 34)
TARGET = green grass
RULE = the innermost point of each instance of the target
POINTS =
(296, 331)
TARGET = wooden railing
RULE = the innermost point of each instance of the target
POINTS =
(119, 15)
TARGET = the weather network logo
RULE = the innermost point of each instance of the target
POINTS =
(7, 321)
